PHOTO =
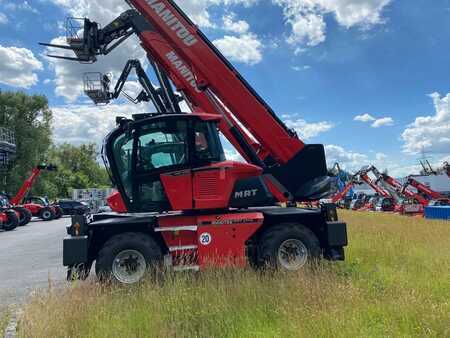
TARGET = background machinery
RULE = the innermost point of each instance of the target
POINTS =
(10, 217)
(205, 210)
(39, 207)
(427, 194)
(385, 200)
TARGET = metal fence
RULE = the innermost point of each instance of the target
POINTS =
(96, 198)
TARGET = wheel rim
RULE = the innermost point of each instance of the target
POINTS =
(292, 254)
(129, 266)
(46, 215)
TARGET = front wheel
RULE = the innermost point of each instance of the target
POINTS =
(47, 214)
(58, 212)
(12, 221)
(25, 215)
(289, 247)
(126, 258)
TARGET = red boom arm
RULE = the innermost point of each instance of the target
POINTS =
(375, 187)
(26, 186)
(430, 193)
(187, 54)
(340, 195)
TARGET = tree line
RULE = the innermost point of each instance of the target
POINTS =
(30, 118)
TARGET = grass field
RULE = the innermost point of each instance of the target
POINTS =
(4, 318)
(395, 282)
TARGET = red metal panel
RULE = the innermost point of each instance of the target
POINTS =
(116, 203)
(3, 218)
(221, 238)
(178, 188)
(33, 208)
(213, 185)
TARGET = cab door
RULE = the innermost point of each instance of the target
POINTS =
(159, 148)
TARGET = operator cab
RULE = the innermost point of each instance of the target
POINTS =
(171, 162)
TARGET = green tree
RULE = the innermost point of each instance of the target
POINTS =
(78, 168)
(30, 118)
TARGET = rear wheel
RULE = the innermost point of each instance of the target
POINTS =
(126, 258)
(12, 222)
(289, 247)
(25, 215)
(58, 212)
(47, 214)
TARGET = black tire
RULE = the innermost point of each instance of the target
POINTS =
(290, 234)
(119, 244)
(12, 222)
(59, 212)
(25, 215)
(47, 214)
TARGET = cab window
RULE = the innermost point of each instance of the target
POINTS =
(161, 145)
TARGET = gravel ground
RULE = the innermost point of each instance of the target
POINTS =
(30, 256)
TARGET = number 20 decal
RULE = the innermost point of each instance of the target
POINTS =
(205, 238)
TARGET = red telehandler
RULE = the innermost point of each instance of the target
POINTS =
(22, 213)
(187, 206)
(38, 208)
(384, 201)
(407, 202)
(8, 219)
(430, 194)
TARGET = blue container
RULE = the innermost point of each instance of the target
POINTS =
(442, 213)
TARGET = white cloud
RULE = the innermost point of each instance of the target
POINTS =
(376, 123)
(348, 160)
(18, 67)
(237, 26)
(245, 48)
(364, 118)
(307, 130)
(3, 19)
(353, 161)
(197, 10)
(23, 6)
(300, 68)
(430, 134)
(383, 122)
(79, 124)
(306, 17)
(381, 156)
(308, 29)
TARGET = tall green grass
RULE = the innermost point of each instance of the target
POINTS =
(395, 282)
(4, 320)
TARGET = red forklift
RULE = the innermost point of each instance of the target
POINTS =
(187, 206)
(38, 207)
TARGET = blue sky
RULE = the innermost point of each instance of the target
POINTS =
(368, 78)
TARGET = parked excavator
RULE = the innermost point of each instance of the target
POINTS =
(188, 207)
(37, 207)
